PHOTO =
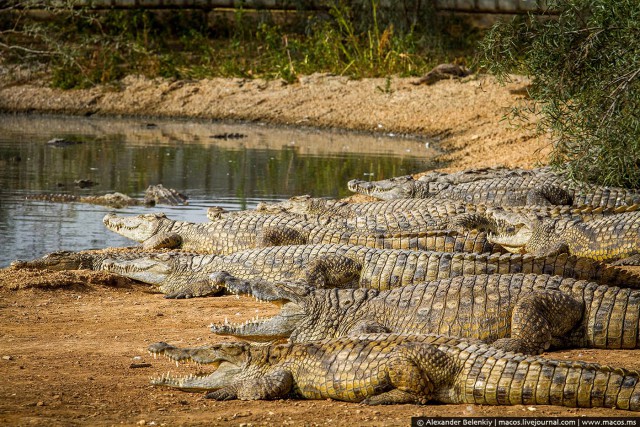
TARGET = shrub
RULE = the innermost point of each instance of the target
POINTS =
(584, 61)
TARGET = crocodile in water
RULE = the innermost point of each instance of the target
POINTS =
(154, 195)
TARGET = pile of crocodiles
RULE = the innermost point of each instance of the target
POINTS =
(444, 290)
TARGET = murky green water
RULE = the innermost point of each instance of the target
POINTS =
(127, 155)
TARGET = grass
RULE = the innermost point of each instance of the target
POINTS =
(82, 48)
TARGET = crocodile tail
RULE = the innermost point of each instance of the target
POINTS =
(518, 379)
(582, 268)
(612, 317)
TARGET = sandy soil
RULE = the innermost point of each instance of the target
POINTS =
(70, 341)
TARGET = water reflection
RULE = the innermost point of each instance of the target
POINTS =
(127, 155)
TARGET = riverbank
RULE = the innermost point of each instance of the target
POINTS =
(74, 343)
(465, 117)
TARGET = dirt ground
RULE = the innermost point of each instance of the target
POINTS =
(71, 342)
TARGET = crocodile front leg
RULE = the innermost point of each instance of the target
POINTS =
(163, 241)
(549, 195)
(275, 385)
(538, 318)
(333, 271)
(272, 236)
(415, 372)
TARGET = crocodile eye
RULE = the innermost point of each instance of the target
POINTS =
(346, 303)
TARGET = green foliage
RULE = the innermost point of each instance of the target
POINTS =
(585, 69)
(82, 47)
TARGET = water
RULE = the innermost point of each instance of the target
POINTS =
(127, 155)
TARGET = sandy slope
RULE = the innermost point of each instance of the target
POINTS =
(465, 116)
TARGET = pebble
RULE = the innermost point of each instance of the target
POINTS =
(141, 422)
(7, 357)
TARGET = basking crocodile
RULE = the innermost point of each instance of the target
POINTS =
(154, 195)
(389, 369)
(183, 275)
(410, 211)
(235, 233)
(516, 312)
(542, 187)
(610, 238)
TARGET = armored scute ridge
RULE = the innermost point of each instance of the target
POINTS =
(387, 369)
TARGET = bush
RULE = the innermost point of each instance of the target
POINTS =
(584, 61)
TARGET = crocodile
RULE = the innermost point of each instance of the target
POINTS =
(527, 313)
(183, 275)
(541, 187)
(613, 238)
(378, 369)
(410, 210)
(235, 233)
(154, 195)
(431, 183)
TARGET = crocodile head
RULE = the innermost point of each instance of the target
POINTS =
(291, 300)
(538, 237)
(305, 313)
(402, 187)
(228, 361)
(139, 227)
(55, 261)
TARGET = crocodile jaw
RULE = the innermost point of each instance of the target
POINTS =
(138, 228)
(515, 243)
(55, 261)
(227, 360)
(279, 326)
(152, 270)
(225, 374)
(394, 188)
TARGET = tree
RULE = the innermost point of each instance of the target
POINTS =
(583, 57)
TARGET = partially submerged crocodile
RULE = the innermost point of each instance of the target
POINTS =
(390, 369)
(516, 312)
(183, 275)
(538, 187)
(154, 195)
(610, 238)
(239, 232)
